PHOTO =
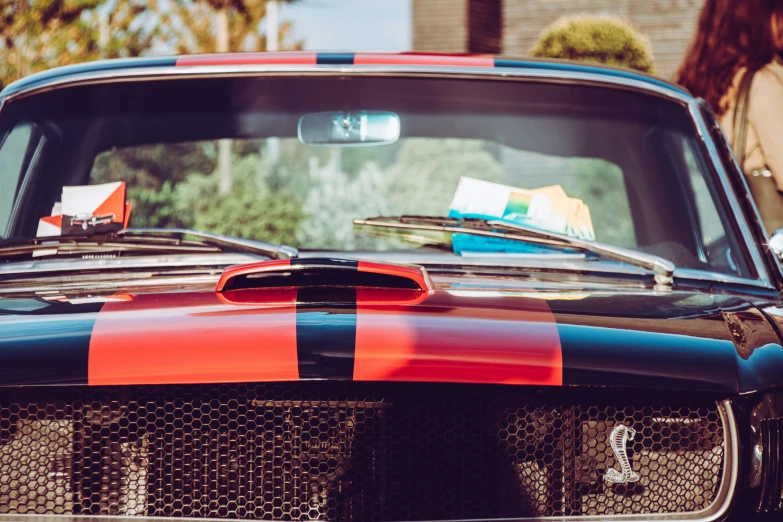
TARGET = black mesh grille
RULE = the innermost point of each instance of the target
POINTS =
(351, 451)
(771, 494)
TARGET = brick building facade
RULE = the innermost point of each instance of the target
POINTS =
(512, 26)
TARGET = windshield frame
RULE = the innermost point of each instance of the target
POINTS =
(716, 170)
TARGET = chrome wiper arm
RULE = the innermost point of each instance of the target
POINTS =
(662, 268)
(470, 226)
(249, 246)
(94, 244)
(658, 265)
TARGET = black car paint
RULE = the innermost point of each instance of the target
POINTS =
(634, 341)
(718, 340)
(622, 338)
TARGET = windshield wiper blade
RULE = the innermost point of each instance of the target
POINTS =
(69, 245)
(141, 241)
(249, 246)
(662, 268)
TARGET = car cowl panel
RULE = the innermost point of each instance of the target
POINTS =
(672, 340)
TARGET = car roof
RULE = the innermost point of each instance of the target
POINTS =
(427, 61)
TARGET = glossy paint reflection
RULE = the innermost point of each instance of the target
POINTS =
(469, 333)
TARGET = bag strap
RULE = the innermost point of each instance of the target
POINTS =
(741, 117)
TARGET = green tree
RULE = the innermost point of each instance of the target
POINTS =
(193, 24)
(158, 208)
(39, 34)
(601, 185)
(250, 210)
(335, 198)
(150, 166)
(595, 38)
(427, 171)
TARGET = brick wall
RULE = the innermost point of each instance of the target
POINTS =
(485, 26)
(442, 25)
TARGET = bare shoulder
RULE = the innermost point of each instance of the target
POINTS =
(771, 75)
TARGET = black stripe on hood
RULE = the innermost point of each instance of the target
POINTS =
(326, 329)
(45, 344)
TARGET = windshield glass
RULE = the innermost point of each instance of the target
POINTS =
(231, 156)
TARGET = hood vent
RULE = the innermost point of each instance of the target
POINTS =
(324, 272)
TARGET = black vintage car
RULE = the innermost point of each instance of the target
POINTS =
(371, 287)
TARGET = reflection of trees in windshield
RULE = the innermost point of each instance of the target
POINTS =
(181, 197)
(599, 183)
(601, 186)
(309, 196)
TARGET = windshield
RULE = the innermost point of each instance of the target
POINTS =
(230, 156)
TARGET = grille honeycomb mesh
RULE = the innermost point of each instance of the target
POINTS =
(349, 451)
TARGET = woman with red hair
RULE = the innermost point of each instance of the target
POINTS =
(733, 63)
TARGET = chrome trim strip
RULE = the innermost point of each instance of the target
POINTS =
(716, 510)
(563, 263)
(162, 73)
(573, 263)
(45, 266)
(717, 277)
(144, 280)
(746, 234)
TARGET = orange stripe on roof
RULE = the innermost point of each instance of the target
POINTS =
(458, 60)
(293, 58)
(189, 338)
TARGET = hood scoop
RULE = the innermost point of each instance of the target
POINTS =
(325, 272)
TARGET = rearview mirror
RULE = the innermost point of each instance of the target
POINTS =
(349, 129)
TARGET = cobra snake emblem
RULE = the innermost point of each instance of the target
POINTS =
(619, 437)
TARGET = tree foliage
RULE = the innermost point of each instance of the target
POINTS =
(595, 38)
(436, 165)
(39, 34)
(250, 210)
(335, 198)
(311, 203)
(193, 30)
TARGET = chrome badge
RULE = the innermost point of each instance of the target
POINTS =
(619, 437)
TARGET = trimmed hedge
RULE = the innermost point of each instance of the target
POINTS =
(595, 38)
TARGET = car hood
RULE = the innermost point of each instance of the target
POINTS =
(473, 333)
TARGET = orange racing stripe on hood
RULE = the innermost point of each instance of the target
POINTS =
(189, 338)
(441, 343)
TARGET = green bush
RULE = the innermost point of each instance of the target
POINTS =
(595, 38)
(437, 165)
(250, 210)
(158, 208)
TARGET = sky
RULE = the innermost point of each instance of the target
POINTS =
(351, 25)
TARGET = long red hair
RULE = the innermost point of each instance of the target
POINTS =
(731, 34)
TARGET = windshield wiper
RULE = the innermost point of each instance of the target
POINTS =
(236, 244)
(662, 268)
(87, 245)
(141, 241)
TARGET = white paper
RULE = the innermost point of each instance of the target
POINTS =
(86, 199)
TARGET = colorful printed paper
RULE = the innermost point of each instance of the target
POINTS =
(547, 208)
